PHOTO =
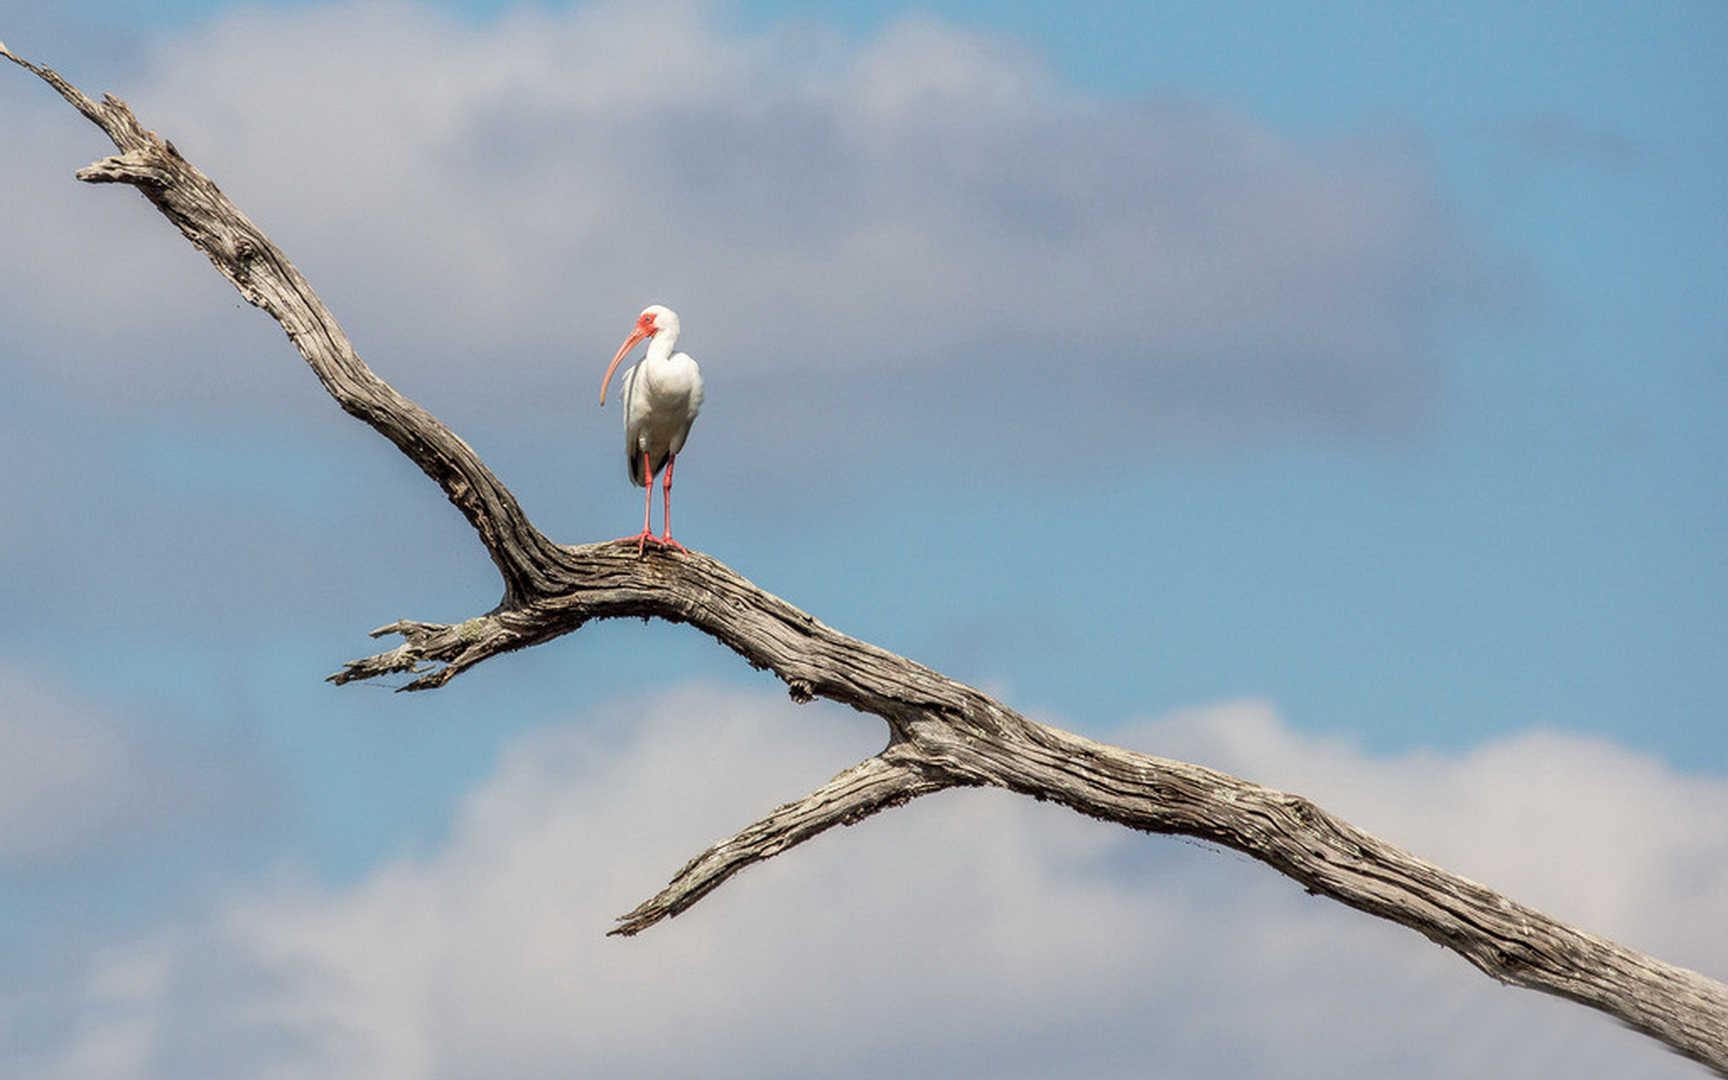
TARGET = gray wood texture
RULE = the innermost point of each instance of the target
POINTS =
(941, 733)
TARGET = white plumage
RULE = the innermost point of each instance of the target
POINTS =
(662, 396)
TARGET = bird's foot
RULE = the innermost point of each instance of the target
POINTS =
(644, 538)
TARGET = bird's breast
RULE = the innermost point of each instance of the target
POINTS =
(674, 384)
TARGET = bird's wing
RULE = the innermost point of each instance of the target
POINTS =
(696, 389)
(692, 378)
(632, 428)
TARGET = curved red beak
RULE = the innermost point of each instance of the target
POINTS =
(636, 335)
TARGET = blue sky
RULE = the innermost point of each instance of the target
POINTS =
(1337, 394)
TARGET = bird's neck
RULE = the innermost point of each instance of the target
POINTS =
(660, 347)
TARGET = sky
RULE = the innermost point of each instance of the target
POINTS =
(1332, 397)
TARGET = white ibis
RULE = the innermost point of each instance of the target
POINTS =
(662, 396)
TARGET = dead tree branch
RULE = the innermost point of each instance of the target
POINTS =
(942, 733)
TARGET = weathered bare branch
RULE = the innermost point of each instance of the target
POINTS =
(266, 279)
(889, 779)
(942, 733)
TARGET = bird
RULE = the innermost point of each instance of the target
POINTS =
(662, 396)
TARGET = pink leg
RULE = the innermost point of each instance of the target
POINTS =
(647, 505)
(666, 515)
(646, 536)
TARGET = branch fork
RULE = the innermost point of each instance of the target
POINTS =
(942, 733)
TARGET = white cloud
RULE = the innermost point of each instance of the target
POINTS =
(972, 933)
(502, 197)
(66, 773)
(1576, 826)
(86, 785)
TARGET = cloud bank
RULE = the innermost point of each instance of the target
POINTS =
(85, 784)
(972, 933)
(67, 775)
(486, 207)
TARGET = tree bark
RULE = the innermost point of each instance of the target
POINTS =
(942, 733)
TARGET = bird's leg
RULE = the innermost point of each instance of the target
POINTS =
(647, 533)
(666, 514)
(646, 536)
(647, 505)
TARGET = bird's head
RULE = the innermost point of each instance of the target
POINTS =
(655, 319)
(659, 319)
